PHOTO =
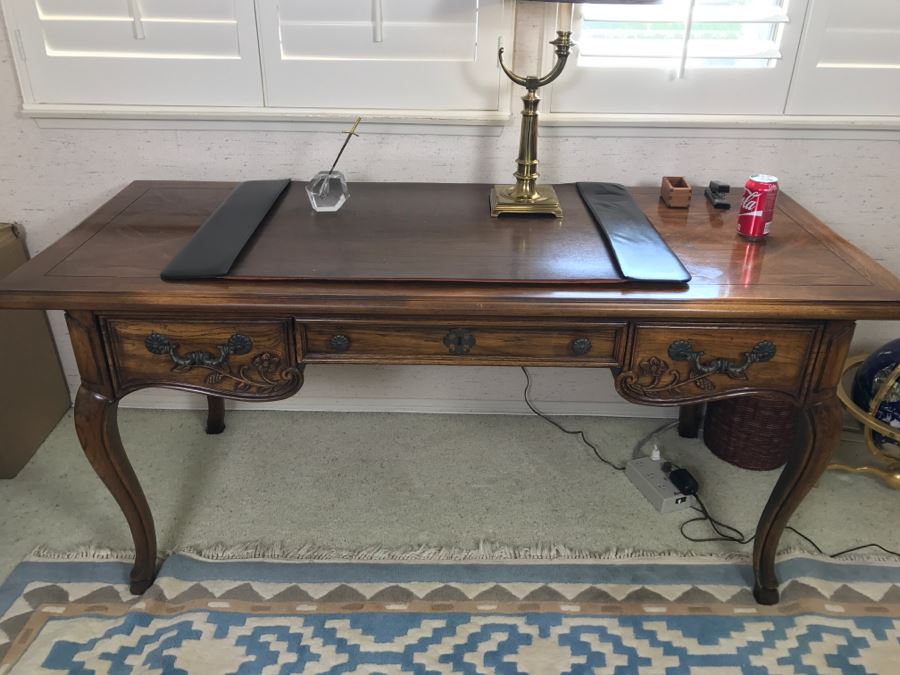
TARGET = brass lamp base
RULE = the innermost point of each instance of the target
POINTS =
(546, 203)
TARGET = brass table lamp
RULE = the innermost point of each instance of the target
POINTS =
(526, 196)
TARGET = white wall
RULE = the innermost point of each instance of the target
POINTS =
(52, 178)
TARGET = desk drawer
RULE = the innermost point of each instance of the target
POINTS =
(670, 362)
(244, 359)
(597, 344)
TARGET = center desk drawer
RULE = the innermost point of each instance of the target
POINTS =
(598, 344)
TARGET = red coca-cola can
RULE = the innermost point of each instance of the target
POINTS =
(758, 207)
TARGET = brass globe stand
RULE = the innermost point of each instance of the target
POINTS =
(889, 465)
(526, 196)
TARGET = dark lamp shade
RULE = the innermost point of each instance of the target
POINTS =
(604, 2)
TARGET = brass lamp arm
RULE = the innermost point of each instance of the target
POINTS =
(563, 44)
(558, 68)
(518, 79)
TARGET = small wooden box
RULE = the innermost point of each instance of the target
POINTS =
(676, 192)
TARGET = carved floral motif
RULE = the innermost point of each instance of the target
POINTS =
(655, 378)
(262, 376)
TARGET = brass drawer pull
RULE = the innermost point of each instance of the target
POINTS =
(682, 350)
(267, 373)
(459, 341)
(581, 346)
(339, 343)
(237, 344)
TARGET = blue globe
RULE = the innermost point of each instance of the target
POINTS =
(870, 377)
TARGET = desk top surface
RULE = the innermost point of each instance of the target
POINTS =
(424, 232)
(113, 259)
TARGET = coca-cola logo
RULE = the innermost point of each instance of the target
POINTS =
(750, 201)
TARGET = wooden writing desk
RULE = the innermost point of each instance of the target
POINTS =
(772, 320)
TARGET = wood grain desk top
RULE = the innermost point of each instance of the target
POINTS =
(113, 259)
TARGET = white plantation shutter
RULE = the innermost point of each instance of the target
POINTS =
(387, 54)
(139, 52)
(433, 59)
(701, 57)
(849, 62)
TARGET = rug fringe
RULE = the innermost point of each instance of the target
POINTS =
(486, 551)
(88, 552)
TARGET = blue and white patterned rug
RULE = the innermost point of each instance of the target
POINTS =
(372, 615)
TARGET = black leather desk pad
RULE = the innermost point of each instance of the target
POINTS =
(216, 245)
(423, 232)
(639, 250)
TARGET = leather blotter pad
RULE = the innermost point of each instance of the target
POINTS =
(219, 241)
(639, 250)
(442, 232)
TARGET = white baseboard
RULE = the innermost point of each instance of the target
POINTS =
(173, 400)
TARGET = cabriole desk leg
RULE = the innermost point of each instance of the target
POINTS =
(804, 467)
(98, 430)
(807, 460)
(96, 408)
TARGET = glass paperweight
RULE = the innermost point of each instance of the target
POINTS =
(328, 191)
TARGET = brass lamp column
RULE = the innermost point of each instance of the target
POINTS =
(526, 196)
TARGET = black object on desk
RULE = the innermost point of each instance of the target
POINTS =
(216, 245)
(717, 193)
(639, 250)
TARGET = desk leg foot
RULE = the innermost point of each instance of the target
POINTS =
(215, 420)
(140, 587)
(806, 463)
(765, 596)
(98, 430)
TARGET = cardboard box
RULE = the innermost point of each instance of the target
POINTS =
(34, 396)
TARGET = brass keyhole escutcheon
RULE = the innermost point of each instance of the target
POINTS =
(459, 341)
(339, 343)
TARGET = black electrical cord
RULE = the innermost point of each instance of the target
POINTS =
(735, 534)
(724, 532)
(571, 432)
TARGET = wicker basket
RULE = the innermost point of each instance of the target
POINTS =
(752, 433)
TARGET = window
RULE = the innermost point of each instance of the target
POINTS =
(675, 35)
(682, 56)
(436, 59)
(434, 56)
(734, 57)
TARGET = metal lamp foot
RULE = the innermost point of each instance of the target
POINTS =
(547, 203)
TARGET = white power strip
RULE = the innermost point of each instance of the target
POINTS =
(648, 477)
